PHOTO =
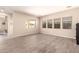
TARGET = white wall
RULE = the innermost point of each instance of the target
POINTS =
(19, 26)
(10, 25)
(69, 33)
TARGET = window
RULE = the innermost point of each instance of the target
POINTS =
(67, 22)
(32, 24)
(49, 23)
(57, 22)
(44, 24)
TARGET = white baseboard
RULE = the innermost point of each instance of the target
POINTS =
(14, 36)
(61, 36)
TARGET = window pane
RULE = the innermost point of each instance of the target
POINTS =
(49, 23)
(57, 26)
(67, 22)
(57, 23)
(44, 24)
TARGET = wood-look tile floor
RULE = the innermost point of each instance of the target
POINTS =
(39, 43)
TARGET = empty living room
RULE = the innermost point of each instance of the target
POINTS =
(39, 29)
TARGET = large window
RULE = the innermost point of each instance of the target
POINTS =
(67, 22)
(32, 23)
(49, 23)
(57, 23)
(44, 24)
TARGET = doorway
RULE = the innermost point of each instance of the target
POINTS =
(3, 25)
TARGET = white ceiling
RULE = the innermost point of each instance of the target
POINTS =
(38, 10)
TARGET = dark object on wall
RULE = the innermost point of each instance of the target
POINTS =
(6, 31)
(77, 33)
(3, 23)
(44, 25)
